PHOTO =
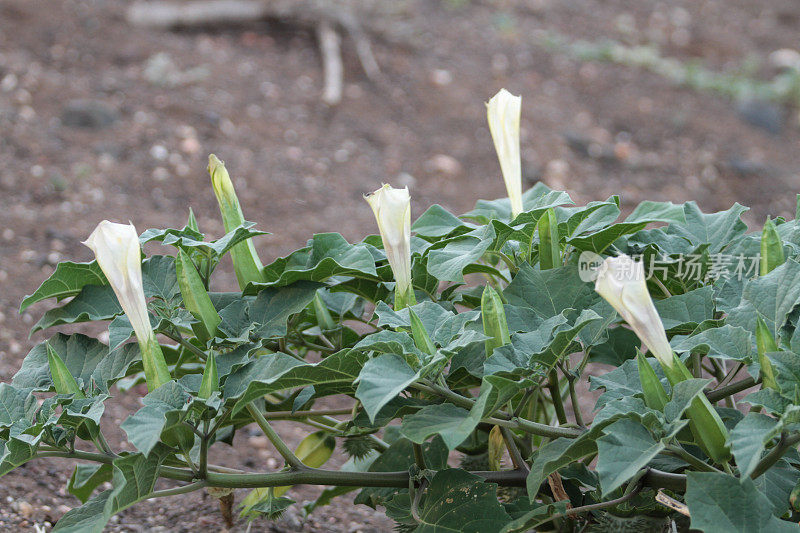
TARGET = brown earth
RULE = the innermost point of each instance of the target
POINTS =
(158, 102)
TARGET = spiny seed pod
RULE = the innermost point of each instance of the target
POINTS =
(495, 325)
(358, 446)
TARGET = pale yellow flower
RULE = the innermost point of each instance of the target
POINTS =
(621, 282)
(503, 112)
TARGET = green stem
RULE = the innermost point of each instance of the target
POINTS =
(204, 450)
(678, 451)
(555, 395)
(775, 454)
(419, 457)
(513, 451)
(313, 476)
(287, 454)
(186, 344)
(723, 392)
(502, 418)
(191, 487)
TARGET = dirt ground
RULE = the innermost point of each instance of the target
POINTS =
(101, 120)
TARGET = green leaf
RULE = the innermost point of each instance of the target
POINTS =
(190, 240)
(686, 310)
(777, 484)
(87, 477)
(665, 212)
(159, 279)
(67, 280)
(554, 455)
(134, 478)
(550, 292)
(720, 503)
(93, 302)
(280, 372)
(717, 230)
(749, 439)
(327, 255)
(90, 517)
(620, 346)
(626, 447)
(728, 342)
(454, 424)
(80, 354)
(448, 263)
(162, 409)
(265, 317)
(458, 501)
(773, 296)
(16, 404)
(382, 379)
(437, 221)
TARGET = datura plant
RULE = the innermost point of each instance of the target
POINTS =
(529, 365)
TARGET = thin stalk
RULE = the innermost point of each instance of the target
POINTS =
(719, 374)
(204, 450)
(722, 392)
(593, 507)
(419, 457)
(191, 487)
(289, 415)
(555, 395)
(677, 451)
(287, 454)
(502, 418)
(775, 454)
(186, 344)
(513, 451)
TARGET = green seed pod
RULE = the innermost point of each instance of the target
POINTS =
(210, 382)
(771, 249)
(549, 249)
(494, 320)
(421, 337)
(324, 318)
(63, 381)
(655, 397)
(765, 344)
(246, 263)
(704, 421)
(195, 298)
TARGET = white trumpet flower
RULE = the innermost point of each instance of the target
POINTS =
(392, 208)
(116, 248)
(503, 112)
(621, 282)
